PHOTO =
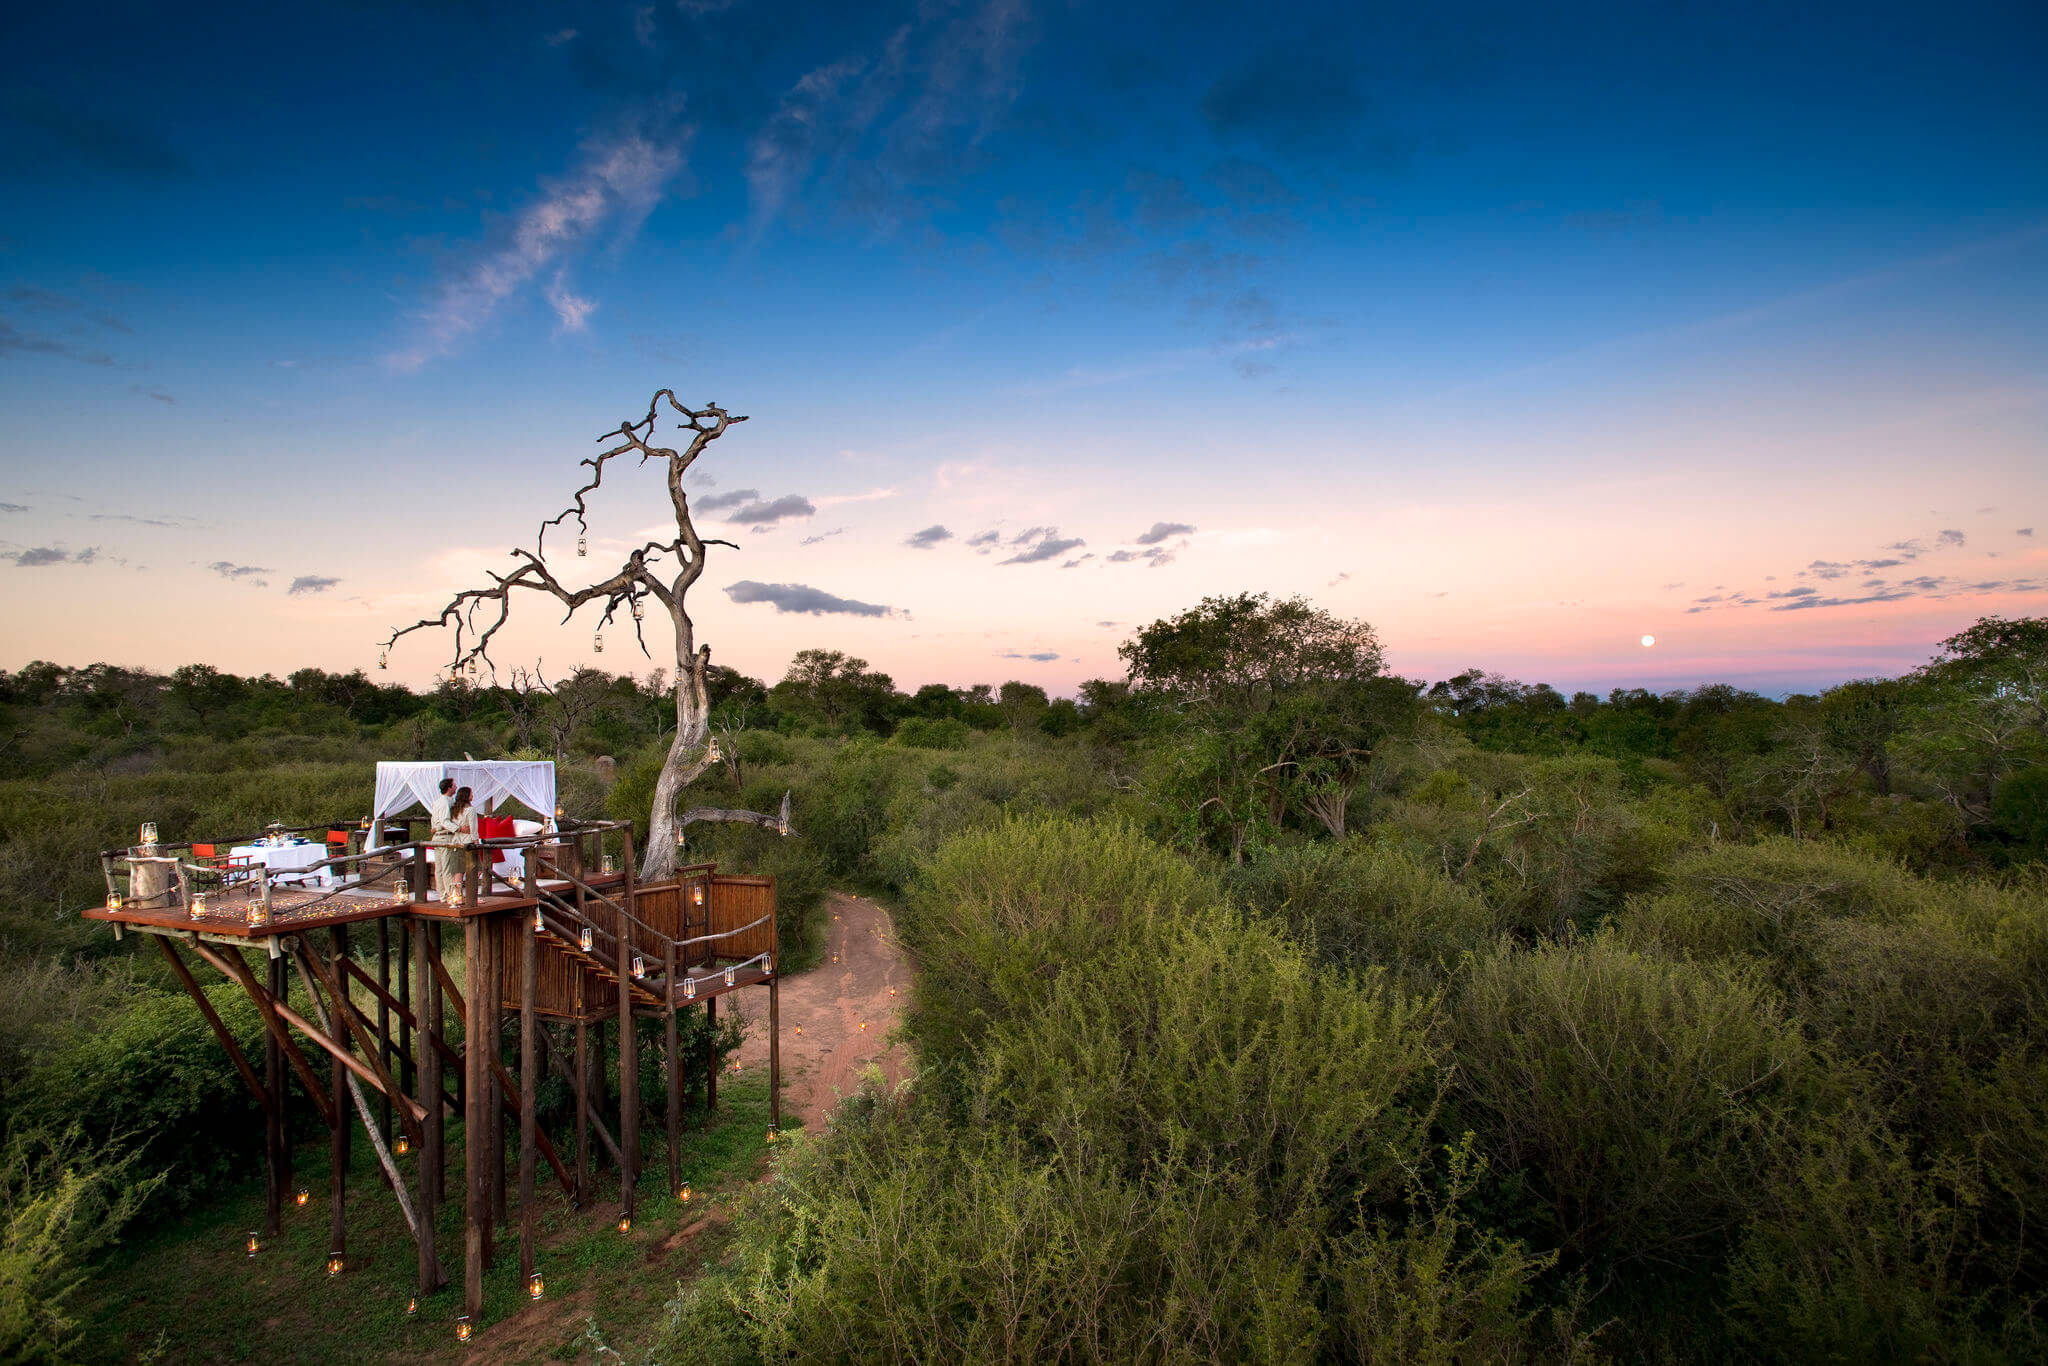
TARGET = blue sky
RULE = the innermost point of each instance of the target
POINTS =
(1521, 332)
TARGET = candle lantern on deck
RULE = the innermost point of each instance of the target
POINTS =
(728, 976)
(147, 838)
(199, 903)
(259, 908)
(113, 901)
(689, 988)
(611, 865)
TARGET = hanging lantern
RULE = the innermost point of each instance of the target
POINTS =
(148, 837)
(334, 1263)
(383, 659)
(697, 894)
(462, 1328)
(728, 976)
(534, 1286)
(302, 1197)
(412, 1307)
(639, 610)
(625, 1223)
(402, 1146)
(113, 901)
(689, 988)
(473, 670)
(582, 547)
(639, 967)
(587, 939)
(597, 643)
(252, 1244)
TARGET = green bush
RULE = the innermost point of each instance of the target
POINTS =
(1645, 1102)
(64, 1201)
(933, 732)
(1364, 904)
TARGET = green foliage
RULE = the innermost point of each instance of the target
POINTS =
(64, 1201)
(1645, 1102)
(935, 732)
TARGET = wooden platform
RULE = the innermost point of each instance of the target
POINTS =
(292, 912)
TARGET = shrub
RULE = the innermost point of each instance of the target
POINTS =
(1645, 1101)
(933, 732)
(64, 1201)
(1363, 904)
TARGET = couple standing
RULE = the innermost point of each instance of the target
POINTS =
(452, 822)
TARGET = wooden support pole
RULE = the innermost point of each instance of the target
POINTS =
(270, 1005)
(629, 1077)
(675, 1071)
(475, 1123)
(494, 952)
(774, 1055)
(428, 1067)
(529, 1079)
(710, 1059)
(408, 1069)
(437, 1026)
(582, 1084)
(337, 1151)
(383, 1021)
(277, 1160)
(596, 1121)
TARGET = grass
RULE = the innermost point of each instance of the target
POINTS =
(186, 1291)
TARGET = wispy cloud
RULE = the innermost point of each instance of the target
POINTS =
(804, 600)
(311, 583)
(1041, 543)
(927, 538)
(572, 310)
(617, 182)
(14, 341)
(235, 573)
(151, 391)
(39, 556)
(823, 535)
(1161, 530)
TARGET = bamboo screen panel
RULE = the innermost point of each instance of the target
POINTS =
(737, 901)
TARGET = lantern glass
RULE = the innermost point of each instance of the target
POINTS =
(684, 1194)
(252, 1244)
(588, 940)
(334, 1265)
(689, 988)
(625, 1223)
(534, 1286)
(402, 1146)
(728, 976)
(113, 901)
(611, 865)
(697, 895)
(199, 904)
(149, 834)
(412, 1307)
(383, 659)
(540, 925)
(639, 966)
(302, 1197)
(462, 1328)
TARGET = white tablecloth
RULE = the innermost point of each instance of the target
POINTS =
(287, 859)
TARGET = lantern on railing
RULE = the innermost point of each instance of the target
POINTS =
(252, 1244)
(728, 976)
(582, 547)
(587, 939)
(597, 643)
(540, 925)
(639, 967)
(689, 988)
(148, 835)
(610, 865)
(113, 901)
(334, 1263)
(463, 1328)
(534, 1286)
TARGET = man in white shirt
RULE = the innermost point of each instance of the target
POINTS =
(441, 834)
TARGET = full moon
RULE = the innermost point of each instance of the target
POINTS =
(1648, 641)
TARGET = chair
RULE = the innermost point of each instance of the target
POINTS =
(229, 869)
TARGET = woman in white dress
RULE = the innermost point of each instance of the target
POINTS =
(451, 853)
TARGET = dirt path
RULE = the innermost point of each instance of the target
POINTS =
(824, 1047)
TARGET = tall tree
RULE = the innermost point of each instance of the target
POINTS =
(659, 571)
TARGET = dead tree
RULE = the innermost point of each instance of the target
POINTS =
(662, 571)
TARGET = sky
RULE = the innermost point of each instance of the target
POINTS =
(1522, 332)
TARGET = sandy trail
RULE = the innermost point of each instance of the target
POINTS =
(863, 980)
